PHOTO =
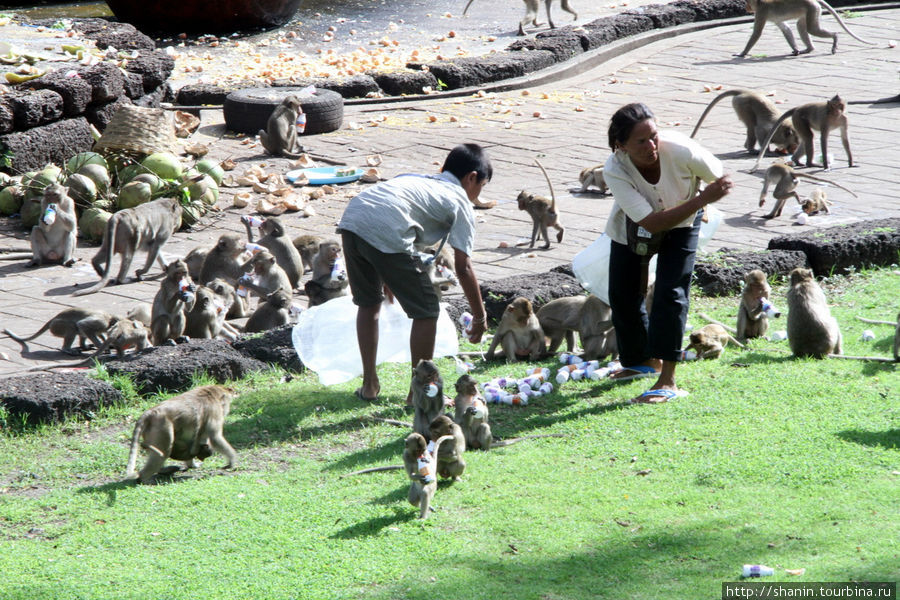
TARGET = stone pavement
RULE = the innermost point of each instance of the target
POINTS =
(671, 76)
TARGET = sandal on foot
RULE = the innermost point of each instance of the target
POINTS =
(637, 372)
(359, 396)
(658, 396)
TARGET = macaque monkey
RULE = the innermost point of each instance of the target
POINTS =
(812, 331)
(758, 114)
(816, 203)
(275, 240)
(785, 179)
(560, 319)
(307, 246)
(519, 332)
(223, 260)
(274, 312)
(808, 14)
(752, 320)
(194, 261)
(142, 311)
(531, 13)
(228, 297)
(595, 328)
(279, 138)
(471, 414)
(329, 277)
(147, 226)
(421, 468)
(268, 274)
(53, 238)
(182, 428)
(125, 334)
(542, 212)
(593, 176)
(710, 340)
(897, 340)
(427, 388)
(206, 317)
(815, 116)
(450, 461)
(83, 323)
(175, 298)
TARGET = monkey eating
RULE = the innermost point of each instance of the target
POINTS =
(275, 240)
(808, 14)
(542, 212)
(329, 277)
(175, 298)
(592, 176)
(427, 389)
(146, 226)
(816, 203)
(785, 179)
(519, 333)
(710, 340)
(266, 276)
(814, 116)
(279, 138)
(758, 114)
(471, 414)
(271, 313)
(812, 331)
(53, 238)
(752, 319)
(83, 323)
(182, 428)
(450, 461)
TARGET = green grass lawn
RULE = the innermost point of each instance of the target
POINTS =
(790, 463)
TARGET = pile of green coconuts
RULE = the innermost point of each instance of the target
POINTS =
(101, 185)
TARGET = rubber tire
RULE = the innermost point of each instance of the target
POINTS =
(248, 110)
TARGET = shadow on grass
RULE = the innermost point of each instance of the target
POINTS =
(889, 439)
(374, 526)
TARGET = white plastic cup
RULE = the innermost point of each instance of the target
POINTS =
(465, 320)
(295, 309)
(300, 123)
(801, 218)
(688, 355)
(50, 215)
(546, 387)
(562, 377)
(769, 309)
(251, 220)
(431, 390)
(338, 272)
(779, 336)
(868, 335)
(425, 469)
(757, 571)
(577, 374)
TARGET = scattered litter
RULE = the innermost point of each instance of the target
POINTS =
(757, 571)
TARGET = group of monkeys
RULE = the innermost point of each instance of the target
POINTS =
(181, 309)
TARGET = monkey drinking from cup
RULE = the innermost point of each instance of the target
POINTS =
(471, 414)
(427, 390)
(175, 298)
(183, 428)
(53, 238)
(279, 138)
(329, 276)
(275, 239)
(758, 114)
(83, 323)
(752, 319)
(785, 179)
(519, 333)
(710, 340)
(808, 14)
(812, 331)
(542, 212)
(147, 227)
(266, 275)
(271, 313)
(420, 464)
(450, 461)
(814, 116)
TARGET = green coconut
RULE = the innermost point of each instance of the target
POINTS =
(98, 174)
(82, 189)
(191, 212)
(211, 168)
(30, 212)
(133, 194)
(127, 174)
(202, 187)
(92, 224)
(11, 199)
(156, 184)
(37, 183)
(103, 203)
(74, 164)
(164, 164)
(5, 179)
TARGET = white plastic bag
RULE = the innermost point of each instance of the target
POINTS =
(325, 338)
(591, 265)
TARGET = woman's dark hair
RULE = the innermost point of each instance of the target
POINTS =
(624, 120)
(466, 158)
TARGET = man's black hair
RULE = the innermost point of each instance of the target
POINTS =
(466, 158)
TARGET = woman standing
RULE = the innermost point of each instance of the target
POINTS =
(654, 177)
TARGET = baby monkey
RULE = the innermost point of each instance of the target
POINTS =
(421, 467)
(785, 179)
(450, 461)
(710, 340)
(753, 318)
(542, 212)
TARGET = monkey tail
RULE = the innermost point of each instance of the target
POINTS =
(728, 328)
(16, 255)
(549, 184)
(22, 340)
(844, 25)
(468, 4)
(372, 470)
(762, 150)
(837, 185)
(711, 104)
(516, 440)
(875, 322)
(110, 240)
(135, 442)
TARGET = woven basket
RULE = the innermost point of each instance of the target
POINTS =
(138, 130)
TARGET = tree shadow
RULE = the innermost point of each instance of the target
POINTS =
(889, 439)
